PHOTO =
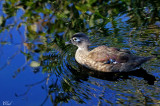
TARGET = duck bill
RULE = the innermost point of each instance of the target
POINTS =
(67, 43)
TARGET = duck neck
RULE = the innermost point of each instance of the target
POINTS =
(84, 48)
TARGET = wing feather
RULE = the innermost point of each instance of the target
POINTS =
(105, 54)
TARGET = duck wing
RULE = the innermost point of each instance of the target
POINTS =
(107, 54)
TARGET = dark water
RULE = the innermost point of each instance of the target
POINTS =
(37, 68)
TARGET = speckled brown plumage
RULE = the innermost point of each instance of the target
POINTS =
(103, 58)
(104, 53)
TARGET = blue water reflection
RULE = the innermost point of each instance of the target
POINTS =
(11, 86)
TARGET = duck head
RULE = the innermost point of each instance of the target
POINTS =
(80, 40)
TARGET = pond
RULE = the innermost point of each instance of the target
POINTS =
(37, 68)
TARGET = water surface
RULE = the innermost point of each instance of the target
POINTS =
(37, 68)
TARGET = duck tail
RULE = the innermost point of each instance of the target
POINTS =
(141, 59)
(133, 65)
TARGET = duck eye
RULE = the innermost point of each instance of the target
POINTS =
(75, 39)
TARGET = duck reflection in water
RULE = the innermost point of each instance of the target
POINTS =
(83, 74)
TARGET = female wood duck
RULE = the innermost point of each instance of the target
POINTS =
(103, 58)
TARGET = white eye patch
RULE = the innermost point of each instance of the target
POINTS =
(76, 39)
